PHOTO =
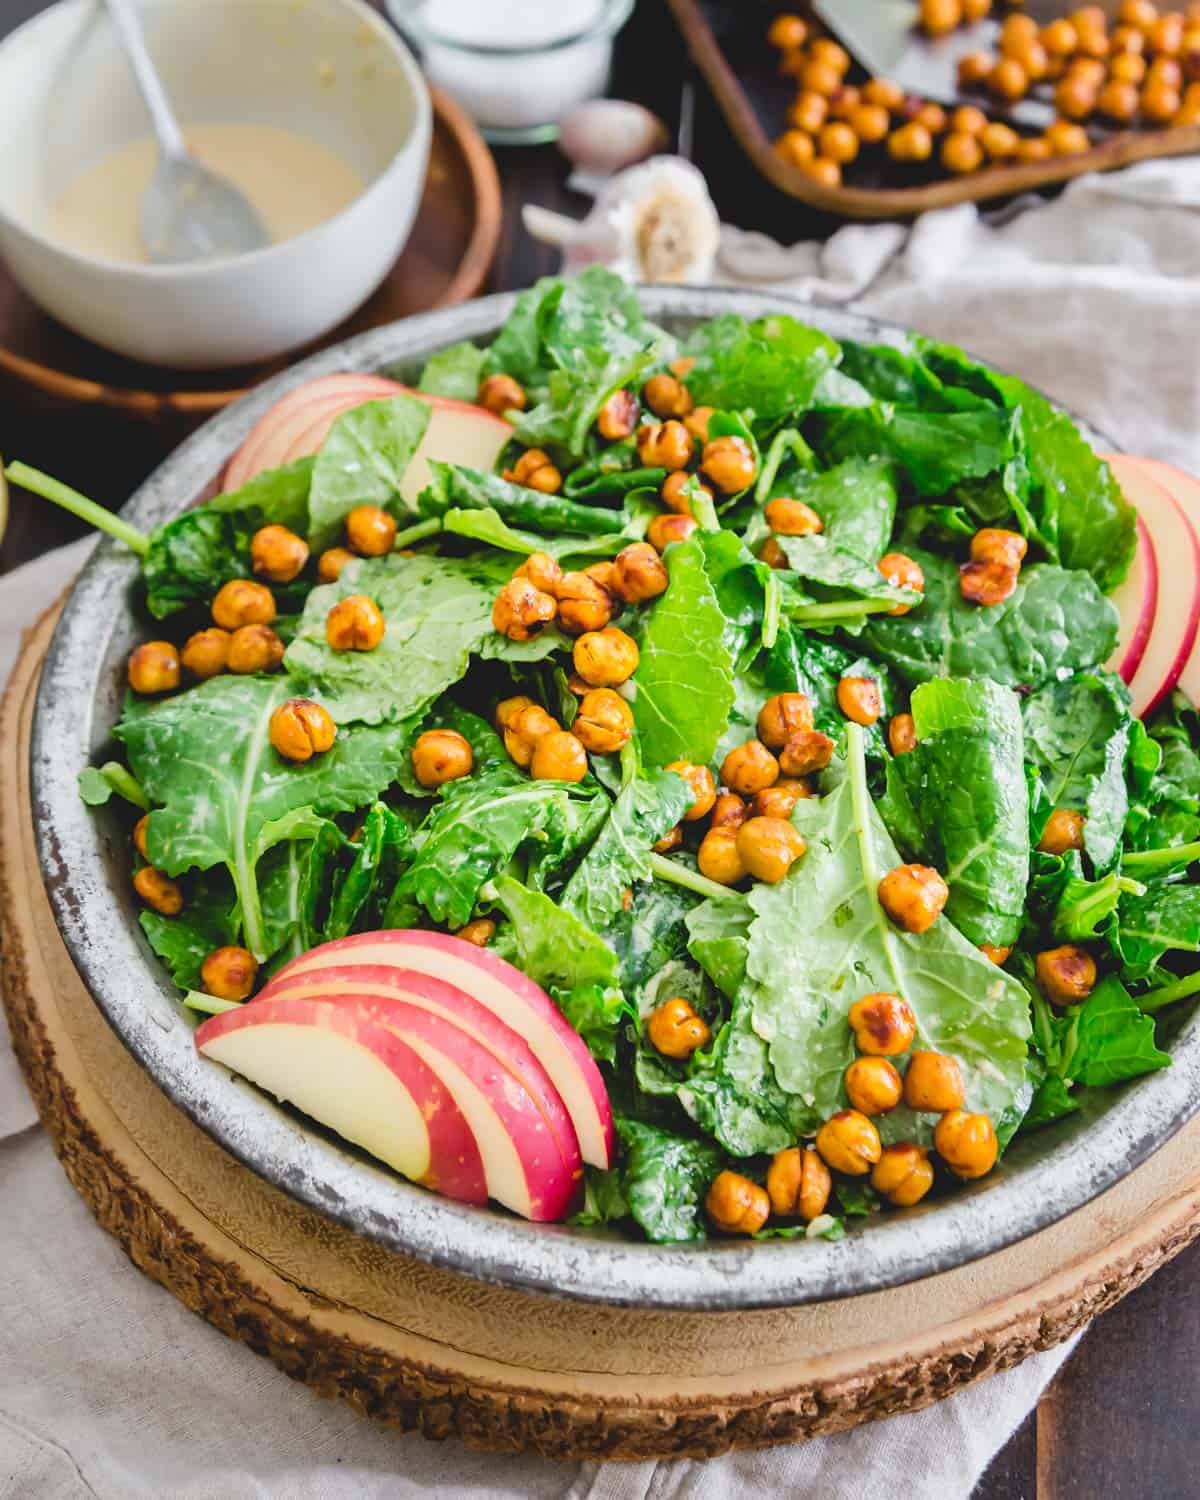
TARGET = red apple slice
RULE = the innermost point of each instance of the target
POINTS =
(508, 994)
(458, 433)
(362, 1080)
(1173, 634)
(1136, 600)
(1186, 491)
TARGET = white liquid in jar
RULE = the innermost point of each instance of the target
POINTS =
(295, 184)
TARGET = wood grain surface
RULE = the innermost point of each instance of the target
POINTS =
(1122, 1420)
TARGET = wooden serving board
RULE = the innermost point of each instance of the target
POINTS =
(741, 71)
(426, 1349)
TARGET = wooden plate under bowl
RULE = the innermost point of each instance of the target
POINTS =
(446, 260)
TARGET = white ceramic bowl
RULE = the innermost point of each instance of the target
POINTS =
(329, 69)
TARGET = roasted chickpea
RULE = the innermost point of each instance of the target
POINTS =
(542, 571)
(523, 731)
(277, 554)
(153, 667)
(480, 932)
(968, 120)
(1165, 37)
(806, 752)
(1065, 139)
(140, 829)
(806, 114)
(849, 1143)
(558, 756)
(940, 17)
(254, 648)
(1033, 58)
(883, 1024)
(974, 69)
(782, 716)
(994, 545)
(618, 416)
(1059, 38)
(1033, 148)
(996, 955)
(787, 32)
(670, 841)
(604, 723)
(1129, 67)
(769, 847)
(158, 891)
(825, 170)
(640, 573)
(521, 611)
(331, 562)
(697, 422)
(370, 531)
(870, 123)
(987, 584)
(729, 463)
(678, 489)
(873, 1085)
(1160, 102)
(675, 1029)
(1093, 43)
(885, 92)
(1089, 69)
(704, 790)
(1065, 974)
(966, 1143)
(999, 141)
(902, 571)
(778, 801)
(1063, 831)
(962, 154)
(206, 653)
(667, 397)
(903, 1174)
(1165, 72)
(931, 115)
(1126, 41)
(583, 604)
(913, 896)
(664, 445)
(798, 1184)
(902, 734)
(933, 1083)
(911, 142)
(838, 142)
(300, 729)
(605, 574)
(229, 973)
(825, 50)
(501, 393)
(1118, 100)
(748, 768)
(718, 857)
(787, 517)
(729, 811)
(1139, 13)
(508, 709)
(243, 602)
(859, 699)
(356, 624)
(735, 1205)
(773, 555)
(441, 755)
(820, 78)
(1008, 80)
(535, 470)
(668, 528)
(605, 658)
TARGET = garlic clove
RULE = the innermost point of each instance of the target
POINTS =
(604, 135)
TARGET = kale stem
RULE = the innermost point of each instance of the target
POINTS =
(771, 607)
(41, 484)
(1150, 859)
(125, 784)
(837, 609)
(1167, 994)
(691, 880)
(1130, 887)
(418, 532)
(211, 1005)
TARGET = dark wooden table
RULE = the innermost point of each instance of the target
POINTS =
(1122, 1421)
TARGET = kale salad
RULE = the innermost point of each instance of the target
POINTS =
(752, 703)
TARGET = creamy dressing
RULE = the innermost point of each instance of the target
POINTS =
(295, 184)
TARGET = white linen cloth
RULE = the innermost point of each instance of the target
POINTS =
(111, 1389)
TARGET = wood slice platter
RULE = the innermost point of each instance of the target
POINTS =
(427, 1349)
(446, 261)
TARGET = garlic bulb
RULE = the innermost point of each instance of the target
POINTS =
(605, 135)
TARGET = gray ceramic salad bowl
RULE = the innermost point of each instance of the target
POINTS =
(1043, 1177)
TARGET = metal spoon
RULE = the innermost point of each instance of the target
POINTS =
(188, 212)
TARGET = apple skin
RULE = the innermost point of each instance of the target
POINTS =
(301, 1049)
(510, 995)
(1136, 600)
(360, 983)
(1186, 491)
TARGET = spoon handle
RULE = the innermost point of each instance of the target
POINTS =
(133, 39)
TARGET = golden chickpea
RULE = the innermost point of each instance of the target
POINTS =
(940, 17)
(779, 800)
(153, 667)
(824, 170)
(542, 571)
(678, 489)
(356, 624)
(994, 545)
(243, 602)
(966, 1143)
(704, 789)
(534, 470)
(769, 847)
(825, 50)
(999, 141)
(883, 1024)
(987, 584)
(667, 397)
(1160, 102)
(902, 734)
(787, 517)
(1165, 72)
(773, 555)
(912, 142)
(975, 69)
(914, 896)
(1008, 80)
(1065, 974)
(838, 142)
(859, 699)
(668, 528)
(300, 729)
(640, 573)
(605, 658)
(206, 653)
(604, 723)
(1033, 148)
(796, 147)
(798, 1184)
(1063, 831)
(782, 716)
(441, 755)
(994, 954)
(254, 648)
(1165, 37)
(807, 114)
(229, 973)
(501, 393)
(976, 10)
(1118, 101)
(729, 811)
(697, 422)
(331, 562)
(1141, 14)
(670, 841)
(520, 612)
(523, 731)
(735, 1205)
(1033, 58)
(902, 1175)
(1093, 43)
(558, 756)
(729, 463)
(664, 445)
(618, 416)
(1189, 114)
(1129, 67)
(277, 554)
(1059, 38)
(1126, 41)
(605, 574)
(1067, 139)
(158, 891)
(370, 531)
(873, 1085)
(787, 32)
(480, 932)
(805, 752)
(583, 604)
(140, 829)
(932, 116)
(675, 1029)
(1089, 70)
(933, 1083)
(849, 1143)
(884, 92)
(820, 78)
(718, 857)
(748, 768)
(870, 123)
(508, 709)
(968, 120)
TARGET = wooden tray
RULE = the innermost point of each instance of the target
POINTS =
(446, 260)
(421, 1348)
(741, 71)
